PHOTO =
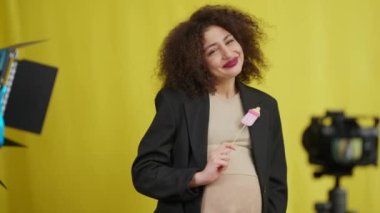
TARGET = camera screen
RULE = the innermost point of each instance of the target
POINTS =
(347, 150)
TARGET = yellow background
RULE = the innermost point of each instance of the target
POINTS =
(323, 55)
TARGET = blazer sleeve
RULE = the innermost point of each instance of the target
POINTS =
(277, 191)
(152, 171)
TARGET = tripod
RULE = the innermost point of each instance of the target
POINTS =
(337, 200)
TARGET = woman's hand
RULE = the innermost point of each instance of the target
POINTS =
(217, 162)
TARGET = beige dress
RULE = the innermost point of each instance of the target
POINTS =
(237, 190)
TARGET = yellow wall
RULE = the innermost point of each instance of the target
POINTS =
(323, 55)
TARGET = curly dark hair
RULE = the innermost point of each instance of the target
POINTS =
(181, 62)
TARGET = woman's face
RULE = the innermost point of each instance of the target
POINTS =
(223, 55)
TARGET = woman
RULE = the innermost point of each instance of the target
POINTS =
(190, 159)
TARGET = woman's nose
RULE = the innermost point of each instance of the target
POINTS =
(227, 52)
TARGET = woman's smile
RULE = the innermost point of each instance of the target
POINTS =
(231, 63)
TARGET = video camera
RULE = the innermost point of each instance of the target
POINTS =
(338, 143)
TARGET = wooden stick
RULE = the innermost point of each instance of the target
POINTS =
(238, 135)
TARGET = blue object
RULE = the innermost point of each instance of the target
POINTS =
(1, 130)
(2, 124)
(3, 61)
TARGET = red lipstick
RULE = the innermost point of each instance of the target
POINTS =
(231, 63)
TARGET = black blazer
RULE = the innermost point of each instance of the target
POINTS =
(175, 147)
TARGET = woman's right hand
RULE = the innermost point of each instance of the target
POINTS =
(217, 162)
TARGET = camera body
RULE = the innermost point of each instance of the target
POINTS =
(338, 143)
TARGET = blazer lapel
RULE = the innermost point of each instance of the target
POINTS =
(197, 117)
(258, 131)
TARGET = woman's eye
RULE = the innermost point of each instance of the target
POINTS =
(211, 52)
(230, 41)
